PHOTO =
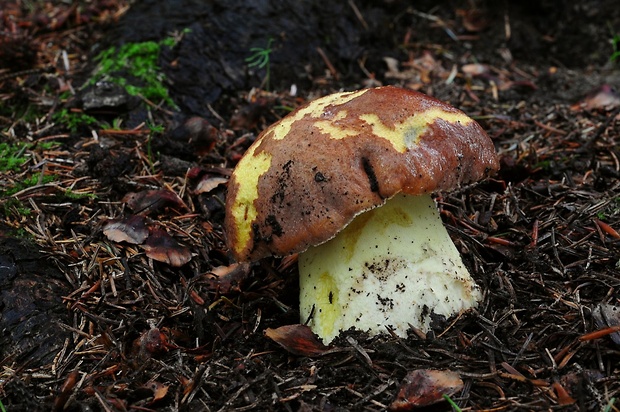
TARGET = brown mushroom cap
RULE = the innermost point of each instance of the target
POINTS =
(309, 174)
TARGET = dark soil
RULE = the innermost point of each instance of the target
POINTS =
(170, 322)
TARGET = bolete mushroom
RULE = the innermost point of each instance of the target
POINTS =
(346, 182)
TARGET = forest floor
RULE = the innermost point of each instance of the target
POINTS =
(120, 125)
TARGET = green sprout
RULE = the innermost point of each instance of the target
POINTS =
(611, 210)
(154, 128)
(609, 405)
(454, 406)
(615, 42)
(261, 58)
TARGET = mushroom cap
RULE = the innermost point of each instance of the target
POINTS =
(309, 174)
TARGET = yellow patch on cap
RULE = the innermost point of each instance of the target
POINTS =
(316, 109)
(406, 134)
(249, 169)
(403, 136)
(333, 129)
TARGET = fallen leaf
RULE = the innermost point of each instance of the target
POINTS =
(151, 201)
(131, 229)
(158, 389)
(297, 339)
(421, 69)
(208, 183)
(199, 133)
(66, 390)
(575, 381)
(162, 247)
(424, 387)
(475, 69)
(248, 116)
(474, 20)
(227, 278)
(607, 228)
(153, 342)
(602, 98)
(563, 396)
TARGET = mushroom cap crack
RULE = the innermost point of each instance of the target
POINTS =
(308, 175)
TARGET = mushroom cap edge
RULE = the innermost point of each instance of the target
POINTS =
(311, 173)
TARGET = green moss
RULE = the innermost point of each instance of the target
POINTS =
(138, 60)
(611, 211)
(73, 120)
(12, 206)
(26, 183)
(615, 42)
(70, 194)
(544, 165)
(12, 156)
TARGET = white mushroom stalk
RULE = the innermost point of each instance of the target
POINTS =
(392, 267)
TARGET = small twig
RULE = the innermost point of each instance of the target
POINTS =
(22, 73)
(358, 14)
(597, 334)
(361, 350)
(549, 128)
(329, 64)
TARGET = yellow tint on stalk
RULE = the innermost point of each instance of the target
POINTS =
(316, 109)
(406, 134)
(326, 295)
(249, 169)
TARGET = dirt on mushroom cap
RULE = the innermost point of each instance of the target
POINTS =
(308, 175)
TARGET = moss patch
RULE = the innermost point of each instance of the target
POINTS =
(140, 61)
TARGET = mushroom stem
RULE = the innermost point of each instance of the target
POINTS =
(393, 266)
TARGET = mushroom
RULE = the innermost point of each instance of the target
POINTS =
(346, 182)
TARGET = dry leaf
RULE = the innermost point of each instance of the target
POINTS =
(153, 342)
(420, 69)
(474, 20)
(575, 381)
(150, 201)
(475, 69)
(297, 339)
(563, 396)
(208, 183)
(158, 389)
(603, 98)
(160, 246)
(160, 392)
(425, 387)
(247, 117)
(199, 133)
(227, 278)
(131, 229)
